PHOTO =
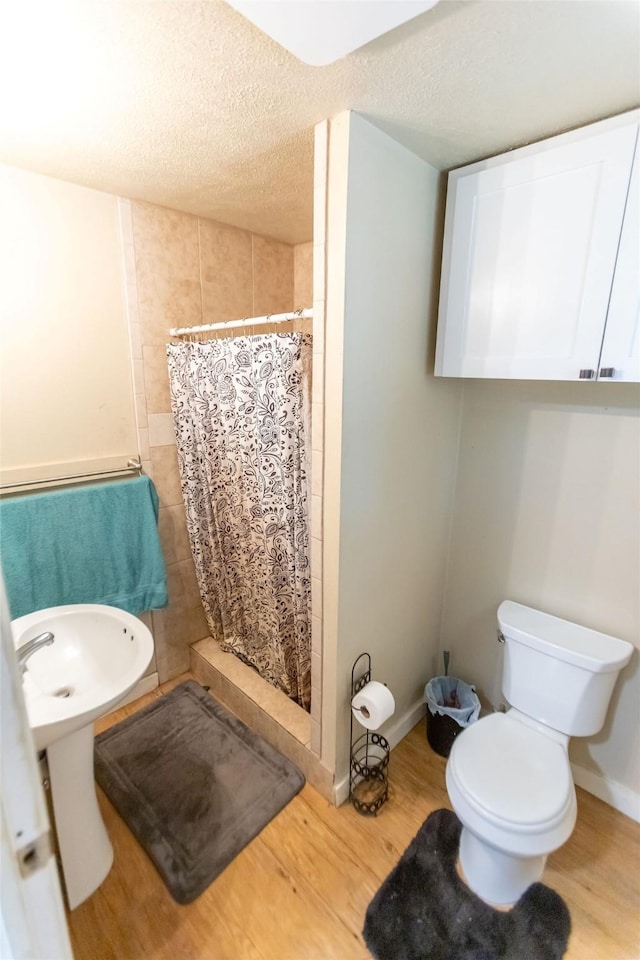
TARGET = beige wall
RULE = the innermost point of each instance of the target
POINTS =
(184, 271)
(398, 428)
(547, 513)
(65, 371)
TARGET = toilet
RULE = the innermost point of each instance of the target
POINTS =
(508, 775)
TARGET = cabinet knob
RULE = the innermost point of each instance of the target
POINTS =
(607, 373)
(586, 374)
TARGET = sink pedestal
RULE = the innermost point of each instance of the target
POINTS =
(84, 847)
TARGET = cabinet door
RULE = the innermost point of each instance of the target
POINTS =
(530, 248)
(620, 357)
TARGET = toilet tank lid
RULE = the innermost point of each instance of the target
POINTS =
(562, 639)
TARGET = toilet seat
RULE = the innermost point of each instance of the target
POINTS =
(512, 785)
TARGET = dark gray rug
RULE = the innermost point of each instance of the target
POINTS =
(423, 911)
(193, 784)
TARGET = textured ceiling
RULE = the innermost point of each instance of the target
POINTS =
(187, 104)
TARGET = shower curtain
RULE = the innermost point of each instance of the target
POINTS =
(241, 413)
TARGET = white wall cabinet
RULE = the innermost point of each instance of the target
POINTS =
(620, 356)
(540, 262)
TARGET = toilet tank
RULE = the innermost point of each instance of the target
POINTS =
(557, 672)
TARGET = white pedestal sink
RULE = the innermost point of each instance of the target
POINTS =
(97, 656)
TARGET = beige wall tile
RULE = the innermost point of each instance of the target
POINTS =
(187, 625)
(163, 669)
(156, 379)
(272, 276)
(316, 672)
(161, 432)
(264, 725)
(173, 665)
(316, 473)
(144, 450)
(316, 556)
(316, 597)
(317, 427)
(167, 270)
(177, 660)
(183, 620)
(146, 618)
(303, 275)
(316, 705)
(316, 644)
(166, 477)
(157, 628)
(141, 411)
(226, 272)
(188, 591)
(174, 538)
(317, 387)
(275, 704)
(151, 669)
(237, 699)
(170, 303)
(206, 674)
(316, 517)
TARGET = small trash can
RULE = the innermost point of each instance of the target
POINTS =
(452, 705)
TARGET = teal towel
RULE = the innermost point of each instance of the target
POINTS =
(93, 544)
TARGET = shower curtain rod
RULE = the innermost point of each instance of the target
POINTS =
(246, 321)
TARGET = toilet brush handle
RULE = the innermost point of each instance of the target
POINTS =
(446, 662)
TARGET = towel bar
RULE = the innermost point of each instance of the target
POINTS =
(133, 465)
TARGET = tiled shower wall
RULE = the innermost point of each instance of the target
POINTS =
(183, 271)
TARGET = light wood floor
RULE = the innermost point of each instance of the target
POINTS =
(299, 891)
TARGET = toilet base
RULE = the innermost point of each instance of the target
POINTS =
(495, 876)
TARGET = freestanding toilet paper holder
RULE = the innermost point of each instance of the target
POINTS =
(369, 760)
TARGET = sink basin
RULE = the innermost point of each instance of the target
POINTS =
(98, 655)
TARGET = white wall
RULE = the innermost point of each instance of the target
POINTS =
(65, 371)
(547, 513)
(399, 430)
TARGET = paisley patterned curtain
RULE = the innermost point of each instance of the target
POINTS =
(241, 416)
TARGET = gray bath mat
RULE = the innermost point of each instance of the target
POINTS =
(193, 784)
(423, 911)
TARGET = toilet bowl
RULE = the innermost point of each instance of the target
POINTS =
(508, 775)
(512, 789)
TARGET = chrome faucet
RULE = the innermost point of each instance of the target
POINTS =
(30, 647)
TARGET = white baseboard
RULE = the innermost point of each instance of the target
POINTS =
(146, 685)
(618, 796)
(401, 727)
(396, 732)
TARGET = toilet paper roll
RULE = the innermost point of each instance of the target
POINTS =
(373, 705)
